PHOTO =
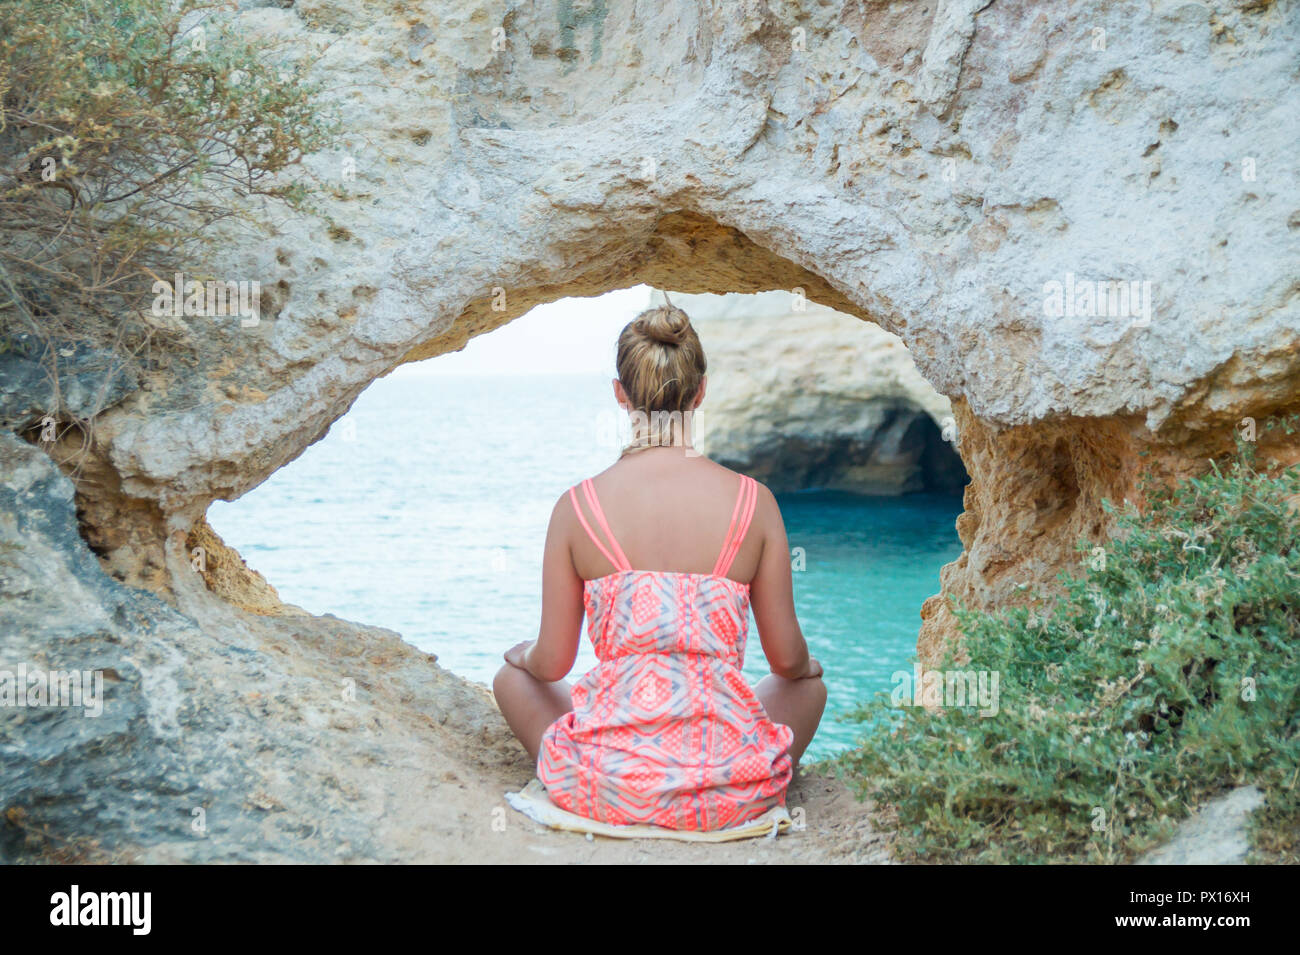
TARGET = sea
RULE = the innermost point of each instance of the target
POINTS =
(424, 510)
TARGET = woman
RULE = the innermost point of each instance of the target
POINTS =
(666, 552)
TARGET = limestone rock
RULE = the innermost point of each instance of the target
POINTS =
(1216, 834)
(252, 742)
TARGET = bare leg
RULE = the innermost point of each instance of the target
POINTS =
(796, 703)
(530, 705)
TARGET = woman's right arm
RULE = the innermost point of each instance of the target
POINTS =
(772, 597)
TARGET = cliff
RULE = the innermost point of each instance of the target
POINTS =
(801, 396)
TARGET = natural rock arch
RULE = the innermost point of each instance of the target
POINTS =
(914, 165)
(916, 184)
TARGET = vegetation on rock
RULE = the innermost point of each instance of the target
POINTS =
(1167, 671)
(126, 128)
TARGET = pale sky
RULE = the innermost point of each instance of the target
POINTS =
(570, 336)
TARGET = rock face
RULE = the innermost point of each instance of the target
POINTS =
(970, 177)
(251, 743)
(805, 397)
(1216, 834)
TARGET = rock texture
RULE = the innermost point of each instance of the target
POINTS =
(1216, 834)
(804, 397)
(932, 166)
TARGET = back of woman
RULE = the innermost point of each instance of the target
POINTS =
(665, 553)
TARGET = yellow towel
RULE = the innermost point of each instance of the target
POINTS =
(533, 802)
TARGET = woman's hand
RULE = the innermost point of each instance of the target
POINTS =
(518, 654)
(811, 670)
(814, 669)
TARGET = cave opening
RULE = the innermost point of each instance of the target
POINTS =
(424, 509)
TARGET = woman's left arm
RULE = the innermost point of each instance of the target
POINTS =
(550, 657)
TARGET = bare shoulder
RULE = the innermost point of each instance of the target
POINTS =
(562, 513)
(764, 493)
(767, 513)
(766, 509)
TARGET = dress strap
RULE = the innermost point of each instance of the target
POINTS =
(589, 492)
(746, 500)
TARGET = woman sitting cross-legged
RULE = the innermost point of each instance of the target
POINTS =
(666, 552)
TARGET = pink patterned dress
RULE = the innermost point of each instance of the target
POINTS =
(664, 729)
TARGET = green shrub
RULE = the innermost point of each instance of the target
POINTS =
(126, 128)
(1167, 671)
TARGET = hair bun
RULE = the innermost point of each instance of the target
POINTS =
(661, 367)
(666, 324)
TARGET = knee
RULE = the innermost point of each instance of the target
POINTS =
(817, 689)
(813, 692)
(507, 677)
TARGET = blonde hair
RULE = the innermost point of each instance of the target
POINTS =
(661, 366)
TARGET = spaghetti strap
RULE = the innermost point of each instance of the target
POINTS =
(589, 489)
(746, 500)
(731, 529)
(620, 561)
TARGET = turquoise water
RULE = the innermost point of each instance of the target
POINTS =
(424, 510)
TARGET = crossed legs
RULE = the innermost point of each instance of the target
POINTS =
(531, 705)
(798, 704)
